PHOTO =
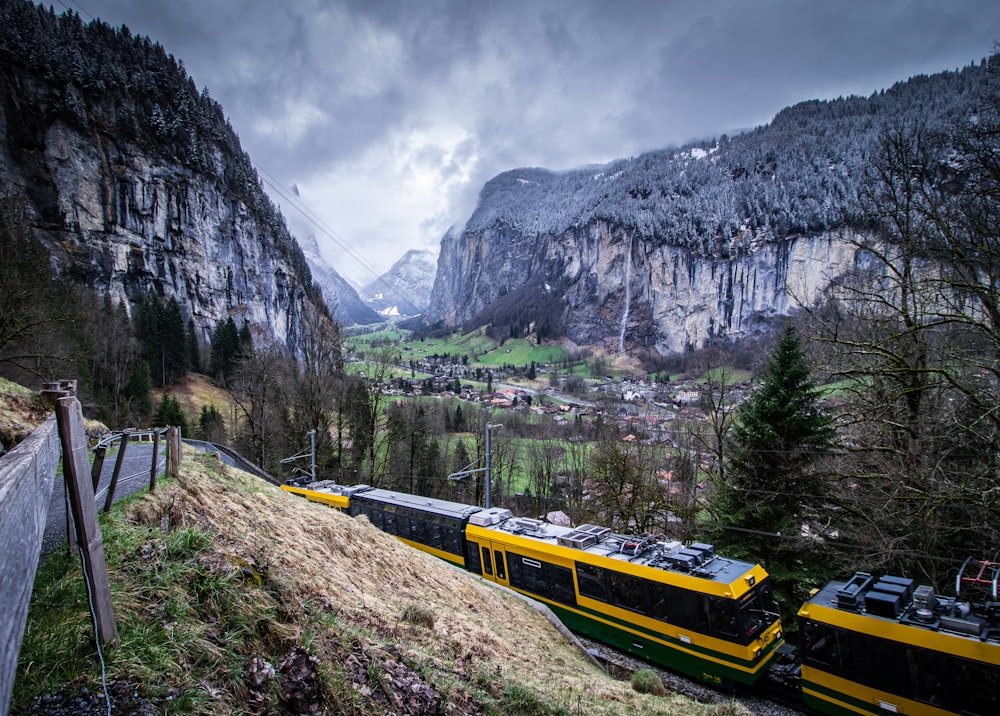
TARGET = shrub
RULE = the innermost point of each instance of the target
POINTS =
(645, 681)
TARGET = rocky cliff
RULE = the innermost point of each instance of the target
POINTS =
(134, 180)
(405, 289)
(676, 248)
(612, 287)
(344, 302)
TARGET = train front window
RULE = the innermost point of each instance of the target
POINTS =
(758, 610)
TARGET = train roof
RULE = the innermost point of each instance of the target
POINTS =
(900, 599)
(455, 510)
(656, 551)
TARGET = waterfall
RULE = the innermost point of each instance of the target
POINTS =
(628, 295)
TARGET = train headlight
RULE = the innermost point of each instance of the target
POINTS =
(758, 653)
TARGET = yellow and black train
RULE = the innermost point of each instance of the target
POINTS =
(886, 645)
(685, 608)
(869, 645)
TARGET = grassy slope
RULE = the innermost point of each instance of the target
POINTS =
(218, 576)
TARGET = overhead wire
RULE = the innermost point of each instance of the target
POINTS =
(296, 203)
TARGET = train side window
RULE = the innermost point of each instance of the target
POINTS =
(925, 676)
(719, 615)
(501, 571)
(885, 658)
(628, 592)
(453, 539)
(592, 582)
(473, 562)
(657, 599)
(682, 607)
(976, 689)
(433, 535)
(487, 562)
(560, 580)
(527, 574)
(827, 646)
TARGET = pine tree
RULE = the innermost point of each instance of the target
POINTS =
(173, 342)
(772, 483)
(137, 391)
(169, 413)
(225, 349)
(193, 350)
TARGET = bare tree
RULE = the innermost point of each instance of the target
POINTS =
(258, 392)
(31, 305)
(914, 331)
(377, 371)
(716, 394)
(626, 491)
(314, 385)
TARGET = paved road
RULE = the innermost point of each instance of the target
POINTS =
(134, 476)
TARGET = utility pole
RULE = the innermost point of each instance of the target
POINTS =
(489, 464)
(465, 472)
(312, 456)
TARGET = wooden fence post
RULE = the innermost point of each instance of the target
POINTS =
(118, 471)
(69, 418)
(152, 468)
(174, 441)
(99, 454)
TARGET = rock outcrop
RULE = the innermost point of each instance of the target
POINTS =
(624, 292)
(136, 183)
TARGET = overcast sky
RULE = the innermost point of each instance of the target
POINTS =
(387, 116)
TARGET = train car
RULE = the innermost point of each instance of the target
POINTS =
(883, 645)
(434, 526)
(688, 609)
(326, 492)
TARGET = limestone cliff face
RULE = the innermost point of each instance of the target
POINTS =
(129, 220)
(676, 247)
(624, 292)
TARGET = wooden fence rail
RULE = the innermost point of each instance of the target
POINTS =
(27, 474)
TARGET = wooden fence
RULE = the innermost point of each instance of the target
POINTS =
(27, 476)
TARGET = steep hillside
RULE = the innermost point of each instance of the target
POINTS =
(672, 249)
(235, 597)
(135, 181)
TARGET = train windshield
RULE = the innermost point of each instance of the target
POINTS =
(758, 609)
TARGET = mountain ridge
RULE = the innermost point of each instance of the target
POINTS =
(405, 289)
(677, 248)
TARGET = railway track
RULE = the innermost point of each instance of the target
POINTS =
(767, 699)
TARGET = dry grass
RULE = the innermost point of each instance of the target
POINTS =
(197, 391)
(21, 411)
(480, 646)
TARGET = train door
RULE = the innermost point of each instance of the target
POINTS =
(494, 559)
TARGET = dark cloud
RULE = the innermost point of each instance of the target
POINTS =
(389, 115)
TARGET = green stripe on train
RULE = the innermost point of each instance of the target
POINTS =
(674, 657)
